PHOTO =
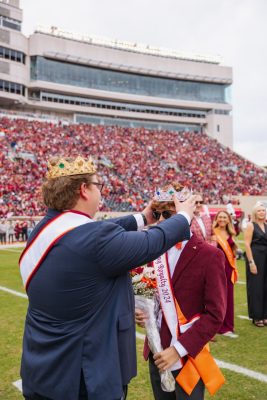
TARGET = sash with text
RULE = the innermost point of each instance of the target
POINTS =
(203, 365)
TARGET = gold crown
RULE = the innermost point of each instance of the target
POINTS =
(63, 167)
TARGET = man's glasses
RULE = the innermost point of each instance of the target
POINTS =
(99, 185)
(166, 214)
(199, 202)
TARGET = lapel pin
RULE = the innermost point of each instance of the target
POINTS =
(194, 247)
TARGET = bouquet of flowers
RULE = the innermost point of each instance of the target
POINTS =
(144, 285)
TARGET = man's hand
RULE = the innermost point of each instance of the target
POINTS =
(148, 212)
(187, 206)
(166, 358)
(140, 317)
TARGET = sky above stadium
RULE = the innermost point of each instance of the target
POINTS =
(234, 29)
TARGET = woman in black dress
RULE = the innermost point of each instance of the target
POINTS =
(256, 265)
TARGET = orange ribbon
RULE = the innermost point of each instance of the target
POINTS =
(202, 366)
(229, 254)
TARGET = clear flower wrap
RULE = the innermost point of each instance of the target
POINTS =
(149, 307)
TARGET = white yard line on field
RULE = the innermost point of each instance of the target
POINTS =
(232, 367)
(243, 317)
(14, 292)
(11, 250)
(241, 282)
(140, 335)
(9, 246)
(241, 370)
(18, 385)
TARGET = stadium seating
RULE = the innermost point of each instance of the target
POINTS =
(133, 162)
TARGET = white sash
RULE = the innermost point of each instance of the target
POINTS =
(34, 254)
(167, 301)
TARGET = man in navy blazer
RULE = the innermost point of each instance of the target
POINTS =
(79, 338)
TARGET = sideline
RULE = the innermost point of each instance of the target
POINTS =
(232, 367)
(18, 385)
(14, 292)
(244, 317)
(11, 250)
(9, 246)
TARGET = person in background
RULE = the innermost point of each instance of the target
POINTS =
(79, 338)
(24, 230)
(18, 230)
(3, 231)
(31, 225)
(230, 208)
(244, 222)
(201, 224)
(225, 233)
(236, 224)
(11, 231)
(255, 236)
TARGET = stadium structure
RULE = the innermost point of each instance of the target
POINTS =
(85, 79)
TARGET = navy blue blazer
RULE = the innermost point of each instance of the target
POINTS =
(81, 307)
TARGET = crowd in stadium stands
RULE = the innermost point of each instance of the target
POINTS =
(132, 163)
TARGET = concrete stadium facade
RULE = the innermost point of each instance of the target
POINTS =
(89, 80)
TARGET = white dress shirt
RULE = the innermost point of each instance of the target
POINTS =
(201, 224)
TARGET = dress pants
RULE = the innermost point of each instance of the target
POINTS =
(179, 394)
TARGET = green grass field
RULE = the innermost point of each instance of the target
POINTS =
(249, 350)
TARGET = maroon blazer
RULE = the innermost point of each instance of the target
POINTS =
(195, 228)
(199, 284)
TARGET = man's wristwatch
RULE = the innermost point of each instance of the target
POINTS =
(251, 262)
(144, 219)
